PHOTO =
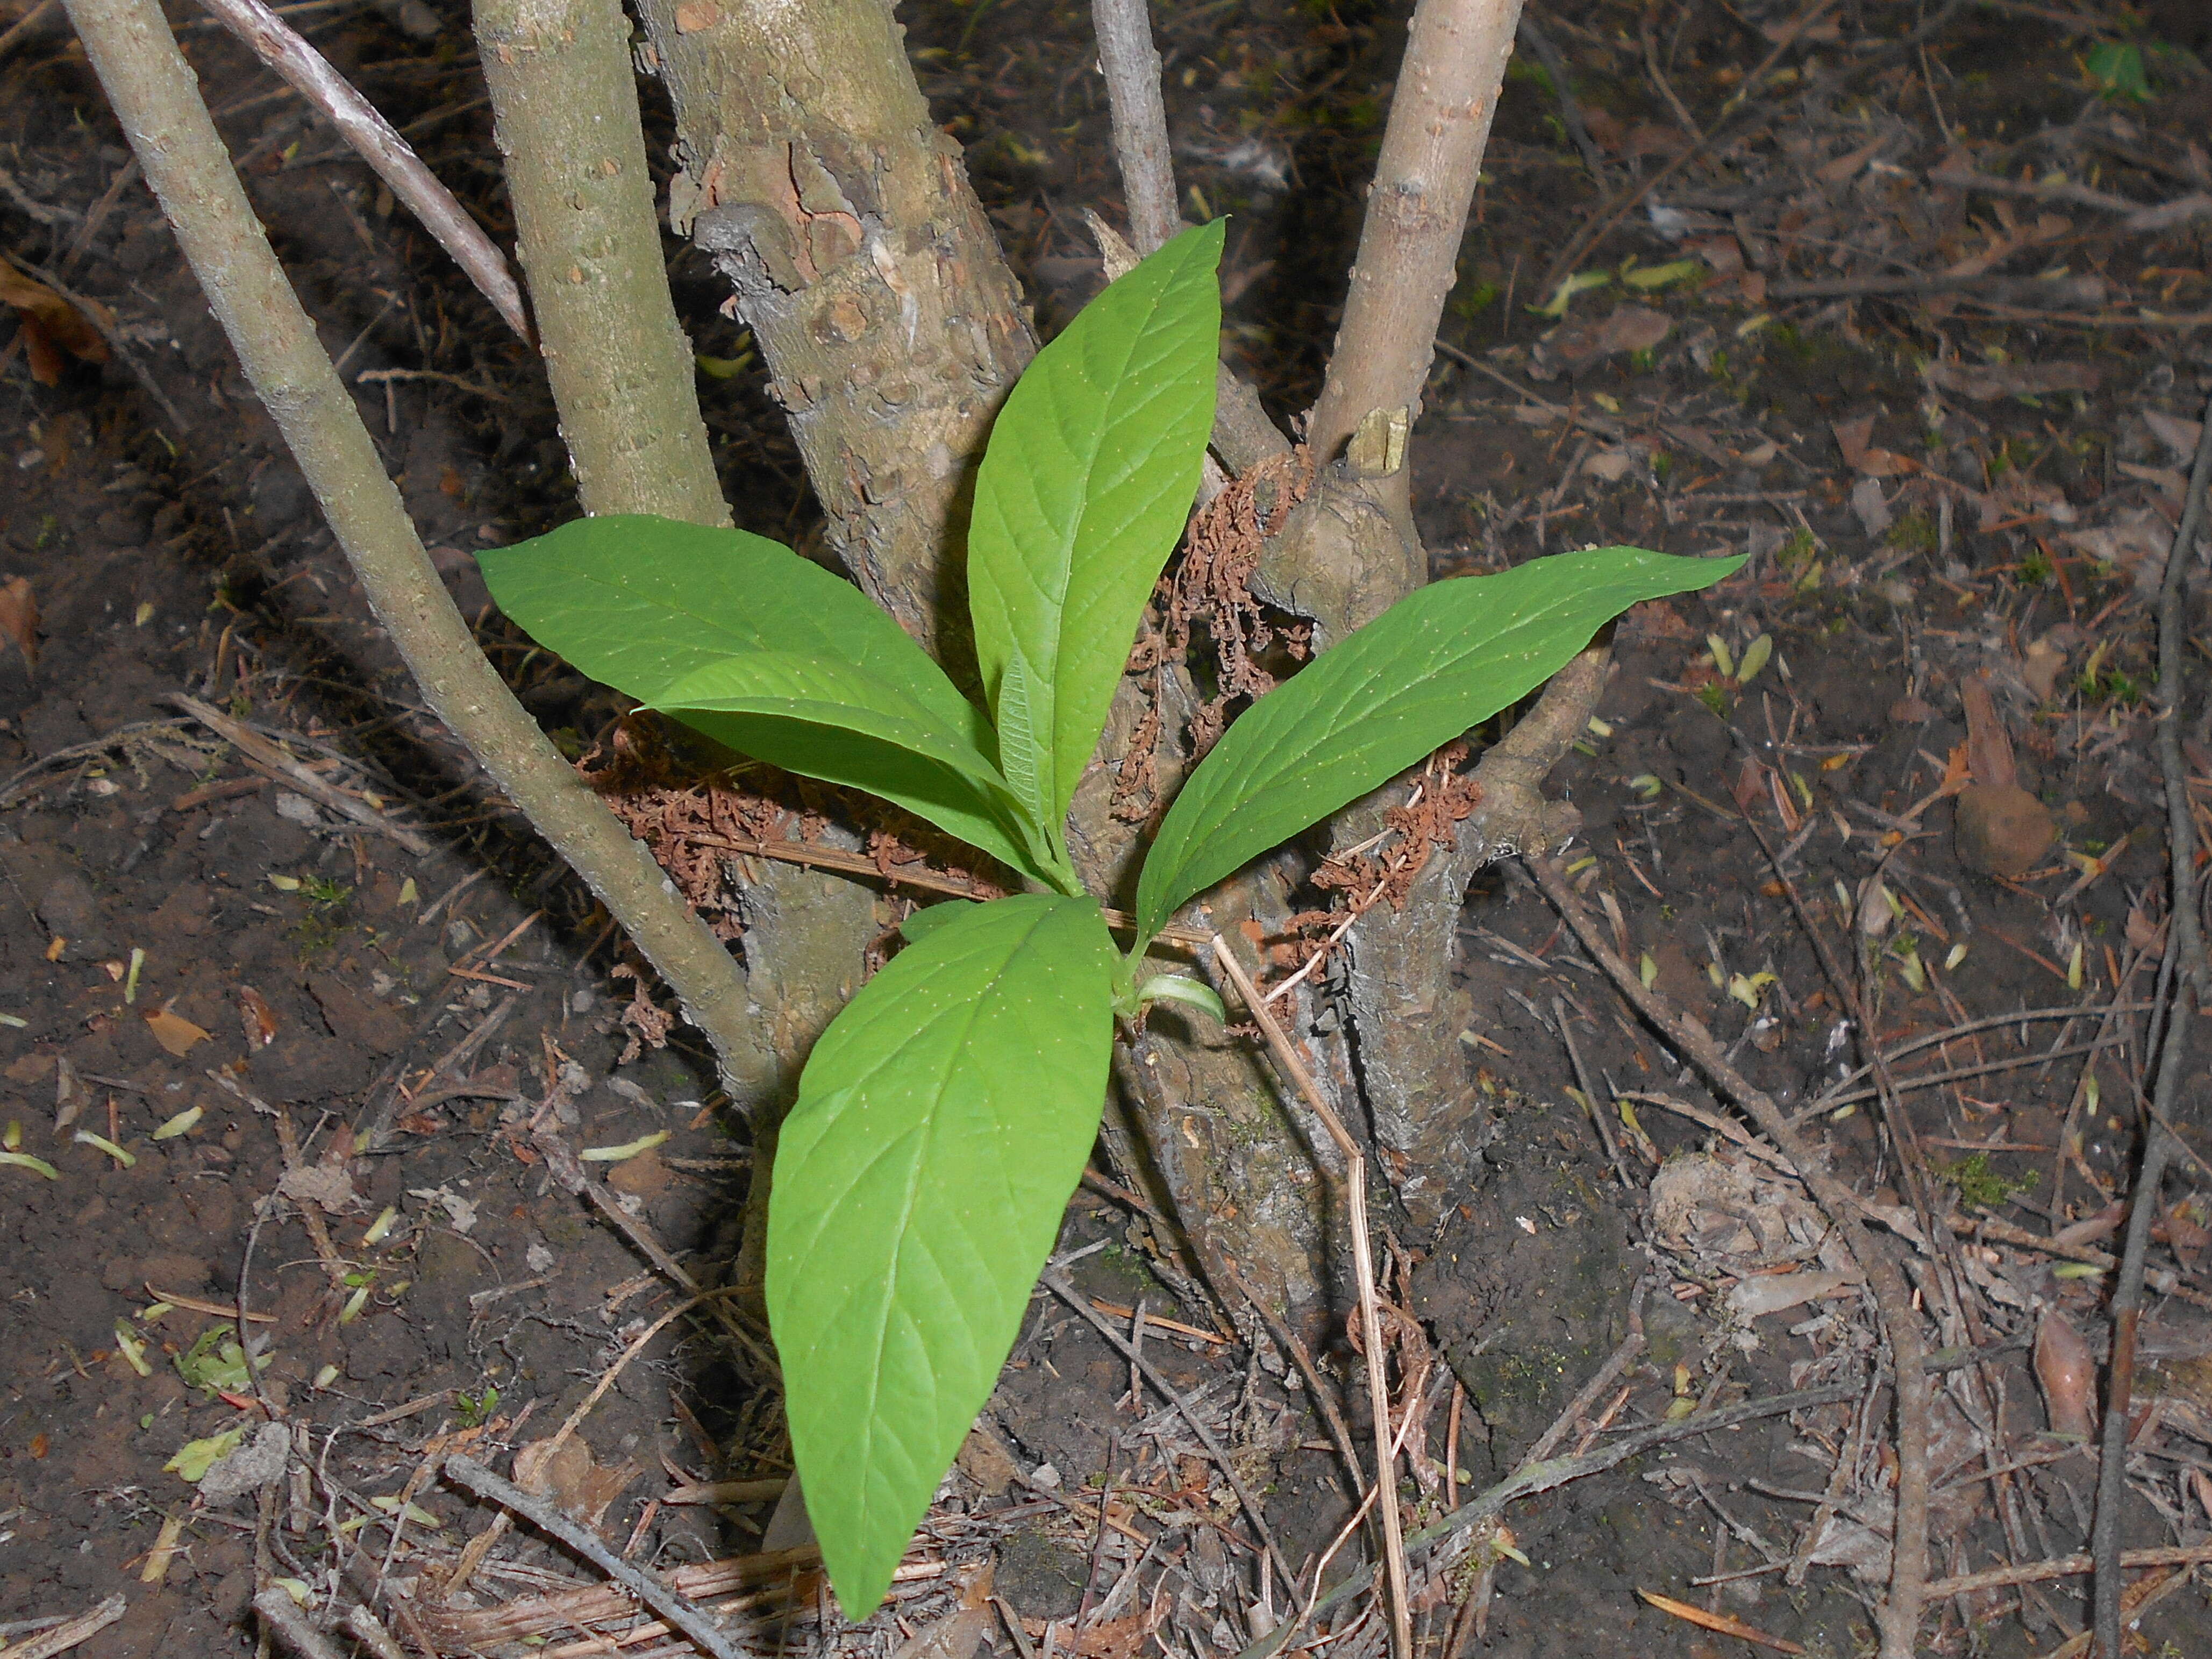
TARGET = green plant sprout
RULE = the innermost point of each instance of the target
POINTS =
(945, 1116)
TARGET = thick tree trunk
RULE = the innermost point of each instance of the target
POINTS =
(844, 221)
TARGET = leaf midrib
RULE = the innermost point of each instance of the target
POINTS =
(974, 1007)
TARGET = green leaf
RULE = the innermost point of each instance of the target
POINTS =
(638, 602)
(942, 1121)
(1090, 472)
(196, 1457)
(828, 719)
(1181, 987)
(922, 923)
(1436, 663)
(644, 604)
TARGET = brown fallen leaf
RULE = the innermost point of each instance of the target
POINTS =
(2067, 1372)
(2000, 829)
(328, 1187)
(1855, 438)
(1986, 382)
(2044, 661)
(51, 327)
(1575, 346)
(2176, 434)
(960, 1633)
(174, 1032)
(573, 1478)
(257, 1017)
(19, 618)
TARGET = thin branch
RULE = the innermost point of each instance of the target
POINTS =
(2185, 965)
(23, 26)
(157, 99)
(70, 1633)
(673, 1609)
(1900, 1620)
(1533, 1478)
(1131, 67)
(1570, 112)
(282, 1615)
(1363, 1267)
(1128, 1350)
(308, 72)
(1424, 178)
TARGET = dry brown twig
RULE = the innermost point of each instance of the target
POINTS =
(1128, 1350)
(676, 1610)
(1900, 1619)
(271, 762)
(309, 73)
(70, 1632)
(1362, 1266)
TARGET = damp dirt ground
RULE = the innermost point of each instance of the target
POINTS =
(284, 1046)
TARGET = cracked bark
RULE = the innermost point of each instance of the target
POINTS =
(857, 253)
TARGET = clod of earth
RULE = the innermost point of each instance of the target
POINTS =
(2001, 830)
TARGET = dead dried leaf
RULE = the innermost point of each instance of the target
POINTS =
(1854, 438)
(70, 1095)
(2177, 434)
(325, 1186)
(2044, 661)
(174, 1032)
(1575, 346)
(2067, 1372)
(572, 1477)
(52, 325)
(19, 618)
(1870, 507)
(1720, 1622)
(2136, 541)
(1986, 382)
(257, 1017)
(960, 1633)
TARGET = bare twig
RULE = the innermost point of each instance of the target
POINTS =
(23, 26)
(271, 762)
(1590, 1101)
(2186, 967)
(1900, 1620)
(1533, 1478)
(1363, 1267)
(282, 1615)
(1128, 1350)
(1132, 66)
(1658, 74)
(277, 45)
(2141, 216)
(547, 1517)
(477, 1547)
(1409, 243)
(1324, 1398)
(70, 1631)
(2066, 1566)
(1570, 112)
